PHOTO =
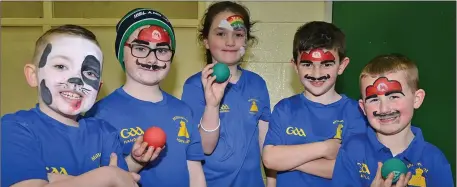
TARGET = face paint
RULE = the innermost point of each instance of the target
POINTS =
(232, 23)
(69, 74)
(242, 51)
(318, 55)
(154, 34)
(383, 86)
(153, 67)
(323, 78)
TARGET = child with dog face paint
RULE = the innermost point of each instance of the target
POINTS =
(145, 47)
(234, 114)
(306, 129)
(49, 145)
(390, 94)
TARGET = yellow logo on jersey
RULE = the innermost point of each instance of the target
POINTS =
(364, 171)
(418, 180)
(131, 133)
(60, 170)
(183, 134)
(295, 131)
(254, 109)
(339, 129)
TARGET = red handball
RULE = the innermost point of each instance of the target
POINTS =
(155, 137)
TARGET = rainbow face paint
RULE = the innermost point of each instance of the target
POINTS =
(383, 86)
(318, 55)
(232, 23)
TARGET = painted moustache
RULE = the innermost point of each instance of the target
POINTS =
(323, 78)
(152, 66)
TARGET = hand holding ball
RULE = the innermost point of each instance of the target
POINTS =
(221, 71)
(394, 165)
(155, 137)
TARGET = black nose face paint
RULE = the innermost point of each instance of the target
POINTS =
(317, 79)
(151, 67)
(76, 81)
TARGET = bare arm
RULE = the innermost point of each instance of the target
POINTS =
(197, 178)
(320, 167)
(210, 122)
(287, 157)
(89, 179)
(270, 174)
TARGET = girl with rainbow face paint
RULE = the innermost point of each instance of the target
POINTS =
(232, 129)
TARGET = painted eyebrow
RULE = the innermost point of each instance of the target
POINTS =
(140, 42)
(394, 92)
(328, 61)
(370, 97)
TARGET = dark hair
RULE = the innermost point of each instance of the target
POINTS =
(223, 6)
(319, 34)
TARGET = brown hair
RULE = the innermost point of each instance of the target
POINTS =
(390, 63)
(319, 34)
(223, 6)
(74, 30)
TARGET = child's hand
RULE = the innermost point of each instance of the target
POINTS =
(213, 91)
(121, 178)
(380, 182)
(142, 154)
(332, 147)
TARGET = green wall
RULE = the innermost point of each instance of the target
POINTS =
(425, 32)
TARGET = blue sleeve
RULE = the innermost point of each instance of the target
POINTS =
(276, 131)
(112, 144)
(21, 154)
(193, 96)
(194, 149)
(441, 174)
(265, 99)
(346, 171)
(356, 123)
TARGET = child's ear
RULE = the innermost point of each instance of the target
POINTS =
(419, 96)
(343, 64)
(362, 106)
(292, 62)
(205, 41)
(30, 72)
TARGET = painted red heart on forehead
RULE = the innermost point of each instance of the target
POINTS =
(154, 34)
(317, 55)
(382, 86)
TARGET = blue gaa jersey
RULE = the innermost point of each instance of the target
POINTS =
(297, 120)
(357, 162)
(34, 144)
(235, 162)
(132, 117)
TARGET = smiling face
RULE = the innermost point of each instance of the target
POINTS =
(389, 102)
(147, 55)
(69, 74)
(227, 38)
(318, 69)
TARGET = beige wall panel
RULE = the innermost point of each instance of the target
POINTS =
(188, 60)
(20, 9)
(290, 12)
(17, 47)
(117, 9)
(282, 80)
(275, 42)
